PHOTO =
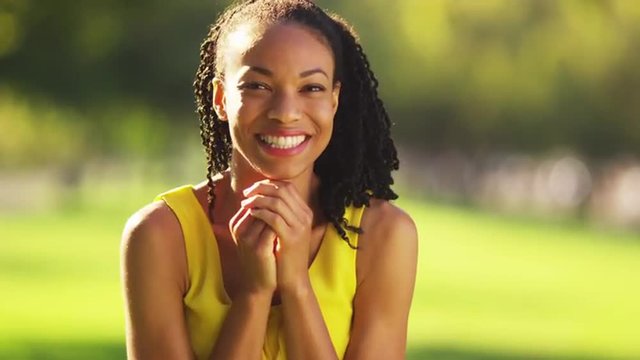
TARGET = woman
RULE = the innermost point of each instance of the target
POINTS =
(290, 248)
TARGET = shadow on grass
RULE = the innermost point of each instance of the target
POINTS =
(109, 351)
(435, 353)
(67, 351)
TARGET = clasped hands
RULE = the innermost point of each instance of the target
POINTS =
(272, 231)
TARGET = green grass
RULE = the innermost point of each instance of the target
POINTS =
(524, 289)
(488, 287)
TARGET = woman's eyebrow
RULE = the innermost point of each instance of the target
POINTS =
(306, 73)
(261, 70)
(313, 71)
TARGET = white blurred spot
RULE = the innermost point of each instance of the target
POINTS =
(569, 182)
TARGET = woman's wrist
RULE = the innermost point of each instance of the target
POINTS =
(297, 289)
(256, 298)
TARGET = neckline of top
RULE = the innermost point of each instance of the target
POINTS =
(203, 216)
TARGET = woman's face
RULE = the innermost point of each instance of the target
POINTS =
(279, 98)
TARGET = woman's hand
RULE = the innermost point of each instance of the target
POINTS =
(278, 204)
(255, 243)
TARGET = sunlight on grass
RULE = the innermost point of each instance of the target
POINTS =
(523, 287)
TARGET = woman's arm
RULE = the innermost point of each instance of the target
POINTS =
(280, 206)
(153, 271)
(306, 333)
(386, 272)
(387, 261)
(387, 265)
(154, 274)
(243, 331)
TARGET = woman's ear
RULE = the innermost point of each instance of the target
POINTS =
(335, 94)
(219, 99)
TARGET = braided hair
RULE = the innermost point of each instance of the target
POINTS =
(357, 163)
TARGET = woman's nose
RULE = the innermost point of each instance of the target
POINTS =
(284, 107)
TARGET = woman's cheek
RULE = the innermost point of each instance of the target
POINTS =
(243, 106)
(323, 110)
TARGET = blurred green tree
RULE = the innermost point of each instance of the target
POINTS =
(494, 74)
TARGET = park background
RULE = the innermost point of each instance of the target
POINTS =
(518, 125)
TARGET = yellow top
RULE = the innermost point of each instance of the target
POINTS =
(332, 275)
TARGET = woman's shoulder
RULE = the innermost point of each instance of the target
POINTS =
(389, 237)
(158, 220)
(383, 219)
(152, 239)
(154, 220)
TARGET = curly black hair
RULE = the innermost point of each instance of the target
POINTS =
(357, 163)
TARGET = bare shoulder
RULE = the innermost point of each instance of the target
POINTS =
(154, 217)
(154, 280)
(152, 236)
(384, 223)
(386, 268)
(388, 233)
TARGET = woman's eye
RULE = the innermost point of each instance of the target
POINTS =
(253, 86)
(314, 88)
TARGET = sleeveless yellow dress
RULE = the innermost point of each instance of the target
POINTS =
(332, 275)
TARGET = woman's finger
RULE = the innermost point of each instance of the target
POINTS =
(275, 204)
(291, 192)
(265, 242)
(233, 222)
(251, 189)
(272, 219)
(246, 229)
(284, 191)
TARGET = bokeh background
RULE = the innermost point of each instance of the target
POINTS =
(518, 124)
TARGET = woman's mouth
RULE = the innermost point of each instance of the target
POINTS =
(283, 145)
(282, 142)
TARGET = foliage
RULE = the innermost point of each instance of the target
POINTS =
(476, 75)
(38, 132)
(524, 75)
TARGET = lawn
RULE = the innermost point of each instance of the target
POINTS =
(489, 287)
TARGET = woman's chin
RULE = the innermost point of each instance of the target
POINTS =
(280, 172)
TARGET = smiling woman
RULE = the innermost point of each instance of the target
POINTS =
(277, 91)
(290, 248)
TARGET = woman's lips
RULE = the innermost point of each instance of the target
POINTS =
(283, 145)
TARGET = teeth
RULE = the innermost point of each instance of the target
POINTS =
(282, 142)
